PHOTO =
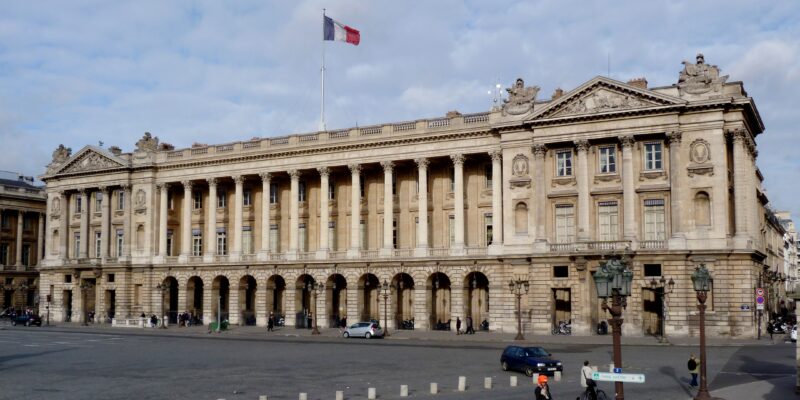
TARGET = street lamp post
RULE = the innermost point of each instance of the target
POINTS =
(164, 288)
(85, 287)
(385, 290)
(701, 280)
(519, 287)
(614, 279)
(319, 289)
(666, 289)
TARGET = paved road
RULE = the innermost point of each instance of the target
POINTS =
(44, 363)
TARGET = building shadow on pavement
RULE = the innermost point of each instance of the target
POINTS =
(14, 357)
(682, 381)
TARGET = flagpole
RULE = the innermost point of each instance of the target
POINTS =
(322, 72)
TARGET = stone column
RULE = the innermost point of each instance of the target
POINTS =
(40, 236)
(162, 221)
(497, 202)
(324, 213)
(63, 237)
(211, 221)
(355, 211)
(540, 193)
(209, 301)
(422, 207)
(261, 305)
(263, 254)
(421, 306)
(105, 223)
(584, 233)
(126, 222)
(84, 247)
(234, 308)
(458, 203)
(186, 223)
(294, 213)
(676, 198)
(388, 209)
(18, 249)
(238, 198)
(740, 180)
(629, 227)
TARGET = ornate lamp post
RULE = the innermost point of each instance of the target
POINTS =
(319, 288)
(85, 288)
(164, 288)
(519, 287)
(666, 289)
(701, 280)
(613, 279)
(385, 289)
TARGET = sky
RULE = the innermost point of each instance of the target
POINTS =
(85, 72)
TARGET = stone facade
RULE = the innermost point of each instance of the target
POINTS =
(541, 190)
(22, 223)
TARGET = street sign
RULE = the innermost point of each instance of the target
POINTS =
(609, 377)
(760, 306)
(745, 307)
(760, 292)
(617, 370)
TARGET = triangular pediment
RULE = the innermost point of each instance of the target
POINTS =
(91, 158)
(604, 95)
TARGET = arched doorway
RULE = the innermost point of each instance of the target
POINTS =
(304, 301)
(476, 298)
(194, 296)
(439, 301)
(247, 300)
(276, 287)
(220, 294)
(170, 299)
(403, 301)
(336, 300)
(368, 299)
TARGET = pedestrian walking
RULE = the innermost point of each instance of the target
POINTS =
(270, 322)
(470, 329)
(458, 325)
(694, 366)
(542, 391)
(587, 383)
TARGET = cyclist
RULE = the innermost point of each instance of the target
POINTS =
(587, 382)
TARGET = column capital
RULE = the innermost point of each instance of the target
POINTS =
(125, 187)
(738, 135)
(582, 145)
(388, 166)
(163, 186)
(674, 137)
(212, 182)
(238, 179)
(458, 159)
(422, 163)
(539, 150)
(627, 141)
(324, 171)
(103, 189)
(496, 155)
(355, 169)
(265, 176)
(82, 191)
(187, 185)
(294, 174)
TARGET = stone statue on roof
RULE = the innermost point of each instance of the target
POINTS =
(699, 78)
(520, 98)
(61, 154)
(147, 143)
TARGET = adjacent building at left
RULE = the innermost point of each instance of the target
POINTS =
(22, 223)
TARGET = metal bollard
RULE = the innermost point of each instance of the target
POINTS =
(339, 395)
(462, 383)
(262, 397)
(535, 379)
(487, 383)
(303, 396)
(557, 376)
(403, 390)
(513, 381)
(434, 388)
(371, 393)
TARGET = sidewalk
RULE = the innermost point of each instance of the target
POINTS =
(258, 333)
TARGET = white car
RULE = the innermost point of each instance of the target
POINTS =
(793, 335)
(364, 329)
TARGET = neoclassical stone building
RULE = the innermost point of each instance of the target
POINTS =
(446, 211)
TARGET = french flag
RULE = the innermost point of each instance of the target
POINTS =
(334, 30)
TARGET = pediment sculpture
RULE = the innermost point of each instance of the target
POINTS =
(602, 101)
(700, 78)
(520, 98)
(147, 143)
(91, 161)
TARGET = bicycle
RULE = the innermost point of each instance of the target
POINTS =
(600, 395)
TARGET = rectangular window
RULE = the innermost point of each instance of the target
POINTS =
(331, 190)
(301, 191)
(652, 156)
(394, 184)
(247, 240)
(416, 230)
(564, 163)
(247, 198)
(652, 270)
(98, 201)
(78, 203)
(654, 227)
(274, 238)
(198, 200)
(3, 253)
(560, 271)
(451, 226)
(487, 174)
(332, 235)
(120, 241)
(452, 173)
(222, 242)
(26, 224)
(608, 160)
(221, 199)
(197, 242)
(67, 278)
(303, 238)
(26, 254)
(120, 200)
(363, 234)
(394, 234)
(273, 193)
(487, 223)
(76, 251)
(169, 242)
(565, 223)
(98, 237)
(110, 278)
(6, 221)
(608, 220)
(362, 184)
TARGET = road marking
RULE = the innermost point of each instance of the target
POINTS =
(31, 345)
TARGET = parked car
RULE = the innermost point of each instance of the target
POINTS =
(793, 335)
(364, 329)
(529, 360)
(27, 320)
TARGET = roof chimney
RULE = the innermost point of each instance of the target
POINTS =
(558, 93)
(640, 83)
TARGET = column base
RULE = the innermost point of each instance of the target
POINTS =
(321, 254)
(385, 252)
(262, 256)
(420, 252)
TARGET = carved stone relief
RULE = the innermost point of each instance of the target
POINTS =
(140, 202)
(700, 78)
(91, 161)
(520, 98)
(601, 101)
(699, 151)
(520, 172)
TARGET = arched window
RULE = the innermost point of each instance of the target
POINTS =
(702, 209)
(521, 218)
